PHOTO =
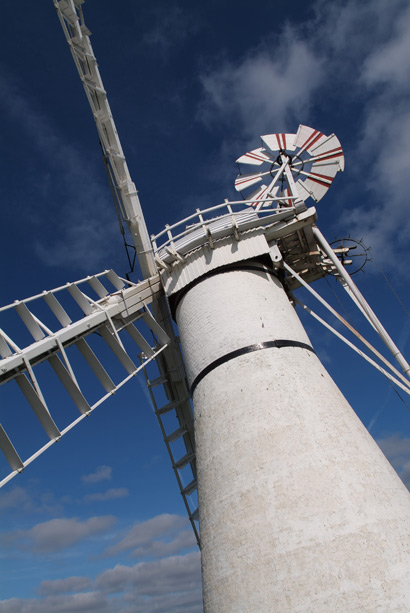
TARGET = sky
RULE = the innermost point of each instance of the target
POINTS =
(97, 522)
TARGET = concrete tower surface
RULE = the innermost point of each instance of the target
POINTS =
(299, 508)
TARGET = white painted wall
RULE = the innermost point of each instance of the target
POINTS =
(299, 509)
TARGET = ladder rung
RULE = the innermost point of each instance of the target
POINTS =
(187, 491)
(195, 515)
(186, 459)
(168, 407)
(158, 381)
(175, 435)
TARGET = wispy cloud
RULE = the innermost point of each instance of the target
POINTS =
(178, 589)
(102, 473)
(25, 501)
(171, 26)
(386, 140)
(272, 85)
(16, 497)
(169, 582)
(183, 540)
(350, 57)
(169, 585)
(81, 227)
(58, 534)
(111, 494)
(81, 603)
(64, 586)
(142, 535)
(389, 62)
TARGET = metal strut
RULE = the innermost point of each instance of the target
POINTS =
(357, 297)
(399, 378)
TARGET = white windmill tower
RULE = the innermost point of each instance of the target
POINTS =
(299, 510)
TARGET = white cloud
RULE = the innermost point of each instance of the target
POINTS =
(102, 473)
(111, 494)
(389, 63)
(81, 227)
(64, 586)
(185, 539)
(75, 603)
(169, 585)
(171, 27)
(351, 55)
(385, 144)
(177, 573)
(269, 87)
(348, 29)
(142, 535)
(15, 498)
(24, 501)
(384, 225)
(368, 53)
(57, 534)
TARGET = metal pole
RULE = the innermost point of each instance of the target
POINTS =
(373, 319)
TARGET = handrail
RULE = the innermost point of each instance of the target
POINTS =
(199, 214)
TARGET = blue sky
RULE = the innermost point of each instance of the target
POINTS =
(96, 523)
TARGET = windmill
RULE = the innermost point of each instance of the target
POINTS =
(240, 254)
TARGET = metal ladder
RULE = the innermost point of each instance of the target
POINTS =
(180, 460)
(171, 401)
